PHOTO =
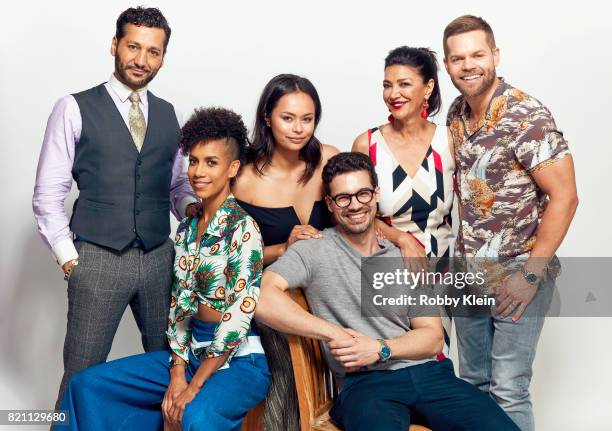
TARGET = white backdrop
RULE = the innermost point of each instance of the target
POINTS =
(223, 54)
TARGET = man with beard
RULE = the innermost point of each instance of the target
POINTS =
(120, 144)
(387, 363)
(515, 181)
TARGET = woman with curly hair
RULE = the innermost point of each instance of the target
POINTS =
(282, 189)
(216, 370)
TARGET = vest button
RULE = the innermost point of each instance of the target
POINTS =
(137, 212)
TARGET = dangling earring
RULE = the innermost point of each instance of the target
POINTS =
(424, 113)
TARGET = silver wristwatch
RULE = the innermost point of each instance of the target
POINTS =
(530, 277)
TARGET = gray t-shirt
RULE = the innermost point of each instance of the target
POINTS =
(328, 270)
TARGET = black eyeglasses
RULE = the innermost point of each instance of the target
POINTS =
(363, 196)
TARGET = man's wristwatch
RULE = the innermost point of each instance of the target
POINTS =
(530, 277)
(74, 262)
(384, 353)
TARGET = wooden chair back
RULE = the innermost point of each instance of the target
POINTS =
(312, 378)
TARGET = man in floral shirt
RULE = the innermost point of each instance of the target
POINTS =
(517, 197)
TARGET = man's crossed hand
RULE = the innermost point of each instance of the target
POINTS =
(354, 350)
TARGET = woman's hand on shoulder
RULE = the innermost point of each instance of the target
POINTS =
(193, 209)
(413, 253)
(301, 232)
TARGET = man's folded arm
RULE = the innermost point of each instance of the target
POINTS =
(424, 340)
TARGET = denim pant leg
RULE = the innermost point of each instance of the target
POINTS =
(228, 395)
(474, 345)
(124, 394)
(513, 352)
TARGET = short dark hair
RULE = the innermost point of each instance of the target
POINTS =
(262, 148)
(344, 163)
(207, 124)
(424, 61)
(149, 17)
(464, 24)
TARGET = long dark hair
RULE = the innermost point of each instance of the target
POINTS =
(425, 62)
(262, 146)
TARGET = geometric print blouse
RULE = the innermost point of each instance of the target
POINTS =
(420, 205)
(223, 271)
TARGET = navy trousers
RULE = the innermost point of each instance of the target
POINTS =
(126, 394)
(428, 394)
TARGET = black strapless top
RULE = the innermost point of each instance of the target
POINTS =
(276, 223)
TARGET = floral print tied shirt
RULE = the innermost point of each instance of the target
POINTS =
(222, 272)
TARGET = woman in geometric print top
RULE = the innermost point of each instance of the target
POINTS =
(413, 157)
(217, 369)
(414, 161)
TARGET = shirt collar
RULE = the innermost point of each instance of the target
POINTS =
(224, 216)
(384, 244)
(123, 91)
(501, 88)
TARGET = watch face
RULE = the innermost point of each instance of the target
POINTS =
(385, 352)
(531, 278)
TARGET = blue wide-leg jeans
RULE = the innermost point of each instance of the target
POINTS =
(126, 394)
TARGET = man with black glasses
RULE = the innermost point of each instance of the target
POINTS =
(386, 363)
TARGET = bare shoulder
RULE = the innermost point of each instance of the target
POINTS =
(246, 183)
(327, 152)
(361, 144)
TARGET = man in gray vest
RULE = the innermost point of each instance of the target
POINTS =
(119, 143)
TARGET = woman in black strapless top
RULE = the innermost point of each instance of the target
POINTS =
(281, 188)
(277, 223)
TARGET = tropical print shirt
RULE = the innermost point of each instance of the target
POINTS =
(223, 272)
(500, 203)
